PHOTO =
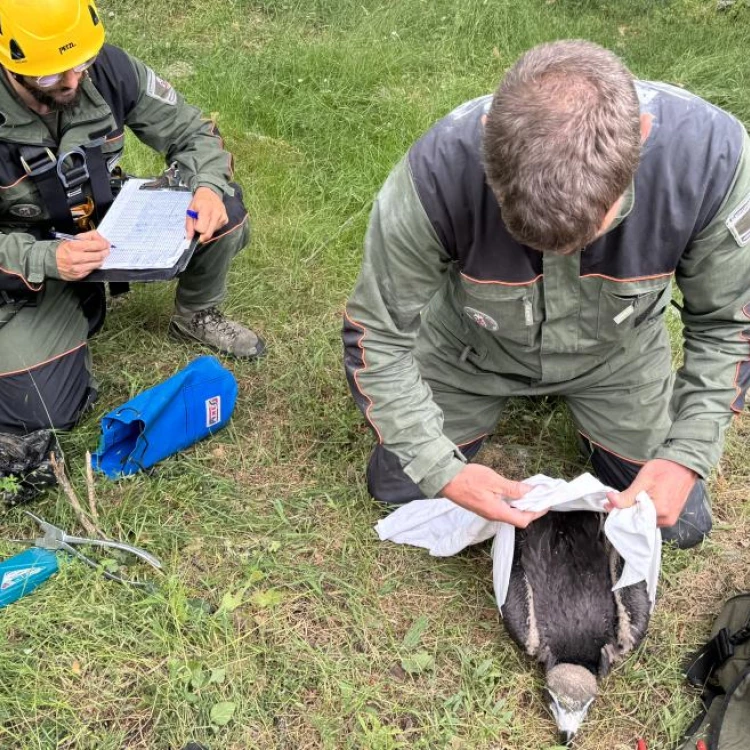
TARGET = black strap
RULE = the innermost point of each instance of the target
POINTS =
(101, 188)
(40, 164)
(714, 654)
(704, 663)
(743, 634)
(709, 658)
(18, 299)
(62, 180)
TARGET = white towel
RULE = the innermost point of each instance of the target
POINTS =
(444, 528)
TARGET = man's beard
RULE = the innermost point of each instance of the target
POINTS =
(48, 100)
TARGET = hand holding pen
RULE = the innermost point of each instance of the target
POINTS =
(205, 215)
(78, 255)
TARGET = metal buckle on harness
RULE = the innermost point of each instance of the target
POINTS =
(39, 163)
(72, 177)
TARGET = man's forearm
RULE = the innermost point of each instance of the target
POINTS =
(26, 261)
(404, 265)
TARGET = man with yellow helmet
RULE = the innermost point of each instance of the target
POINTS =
(65, 99)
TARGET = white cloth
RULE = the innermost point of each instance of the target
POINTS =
(444, 528)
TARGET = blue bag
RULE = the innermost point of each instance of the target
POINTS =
(192, 404)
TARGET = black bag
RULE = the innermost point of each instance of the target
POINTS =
(722, 670)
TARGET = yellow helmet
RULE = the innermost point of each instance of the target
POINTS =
(43, 37)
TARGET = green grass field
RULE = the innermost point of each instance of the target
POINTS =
(322, 636)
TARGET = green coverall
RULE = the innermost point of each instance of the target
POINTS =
(162, 120)
(433, 381)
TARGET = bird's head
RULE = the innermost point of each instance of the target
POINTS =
(571, 690)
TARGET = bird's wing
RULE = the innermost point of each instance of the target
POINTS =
(633, 613)
(518, 616)
(519, 613)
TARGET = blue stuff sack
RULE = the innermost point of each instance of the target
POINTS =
(194, 403)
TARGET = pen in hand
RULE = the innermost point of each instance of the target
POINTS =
(75, 238)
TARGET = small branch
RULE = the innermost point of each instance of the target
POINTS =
(90, 488)
(59, 469)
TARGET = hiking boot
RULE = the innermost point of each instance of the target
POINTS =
(211, 328)
(25, 468)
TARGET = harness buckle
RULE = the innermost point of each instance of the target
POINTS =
(39, 163)
(76, 174)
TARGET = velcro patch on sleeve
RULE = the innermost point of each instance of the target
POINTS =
(158, 88)
(738, 222)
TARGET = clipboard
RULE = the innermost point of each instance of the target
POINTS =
(146, 223)
(144, 274)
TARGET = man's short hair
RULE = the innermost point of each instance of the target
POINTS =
(562, 143)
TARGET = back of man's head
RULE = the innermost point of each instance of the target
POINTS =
(562, 143)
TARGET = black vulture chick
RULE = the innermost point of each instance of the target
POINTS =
(561, 609)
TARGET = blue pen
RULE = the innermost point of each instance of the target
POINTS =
(63, 236)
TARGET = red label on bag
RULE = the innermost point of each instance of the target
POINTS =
(213, 411)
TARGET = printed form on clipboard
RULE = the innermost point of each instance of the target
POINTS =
(147, 227)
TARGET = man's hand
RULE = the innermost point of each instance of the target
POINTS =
(211, 215)
(484, 492)
(78, 258)
(668, 484)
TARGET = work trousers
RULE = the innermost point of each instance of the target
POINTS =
(45, 366)
(620, 407)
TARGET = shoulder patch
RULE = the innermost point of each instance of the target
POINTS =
(158, 88)
(738, 222)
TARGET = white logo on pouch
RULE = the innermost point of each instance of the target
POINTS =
(213, 411)
(17, 575)
(482, 319)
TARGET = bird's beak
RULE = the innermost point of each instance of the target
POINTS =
(565, 738)
(568, 720)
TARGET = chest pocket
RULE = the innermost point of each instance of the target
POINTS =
(507, 312)
(20, 204)
(625, 306)
(112, 149)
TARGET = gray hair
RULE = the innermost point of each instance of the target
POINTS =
(561, 143)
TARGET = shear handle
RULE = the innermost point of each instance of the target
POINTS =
(147, 557)
(56, 538)
(70, 549)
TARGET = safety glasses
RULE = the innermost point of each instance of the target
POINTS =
(45, 82)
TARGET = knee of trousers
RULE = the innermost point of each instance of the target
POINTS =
(613, 470)
(695, 522)
(388, 483)
(386, 480)
(51, 395)
(235, 234)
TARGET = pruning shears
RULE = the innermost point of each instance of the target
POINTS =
(56, 539)
(21, 574)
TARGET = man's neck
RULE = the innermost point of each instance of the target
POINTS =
(25, 96)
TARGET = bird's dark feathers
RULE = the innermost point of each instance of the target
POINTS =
(560, 605)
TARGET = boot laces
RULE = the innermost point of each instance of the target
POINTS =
(213, 320)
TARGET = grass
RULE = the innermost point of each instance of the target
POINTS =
(282, 622)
